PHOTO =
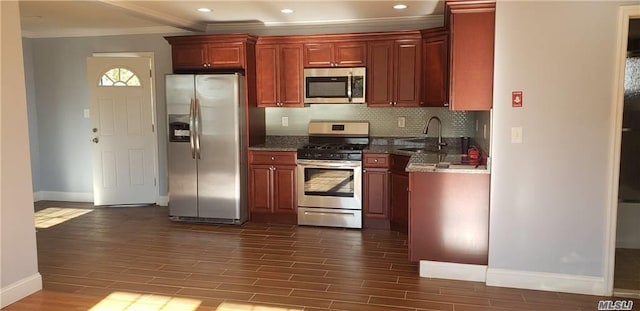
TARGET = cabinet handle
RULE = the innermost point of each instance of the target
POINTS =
(375, 160)
(273, 158)
(364, 171)
(391, 103)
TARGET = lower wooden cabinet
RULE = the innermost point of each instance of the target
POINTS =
(449, 215)
(375, 191)
(272, 182)
(399, 193)
(385, 197)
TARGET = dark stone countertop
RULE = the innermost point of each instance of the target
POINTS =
(419, 162)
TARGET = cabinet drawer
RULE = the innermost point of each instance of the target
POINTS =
(272, 157)
(376, 160)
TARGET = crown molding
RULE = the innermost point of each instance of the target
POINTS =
(99, 32)
(329, 26)
(158, 16)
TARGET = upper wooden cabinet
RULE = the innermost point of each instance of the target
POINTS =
(209, 52)
(279, 75)
(394, 72)
(335, 54)
(435, 67)
(471, 44)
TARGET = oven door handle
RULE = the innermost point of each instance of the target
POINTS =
(329, 164)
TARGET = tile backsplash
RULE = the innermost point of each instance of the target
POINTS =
(383, 121)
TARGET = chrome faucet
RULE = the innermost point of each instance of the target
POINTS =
(426, 131)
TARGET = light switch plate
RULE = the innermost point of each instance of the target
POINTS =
(285, 121)
(86, 113)
(516, 135)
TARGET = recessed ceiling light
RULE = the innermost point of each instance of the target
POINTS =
(286, 11)
(205, 10)
(400, 6)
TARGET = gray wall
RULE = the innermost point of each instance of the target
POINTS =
(549, 195)
(59, 75)
(34, 141)
(19, 275)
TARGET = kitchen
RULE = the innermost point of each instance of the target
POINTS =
(502, 256)
(318, 70)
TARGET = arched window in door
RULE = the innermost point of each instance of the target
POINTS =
(119, 77)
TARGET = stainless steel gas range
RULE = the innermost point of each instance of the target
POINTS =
(330, 174)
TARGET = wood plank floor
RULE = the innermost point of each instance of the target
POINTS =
(627, 269)
(134, 258)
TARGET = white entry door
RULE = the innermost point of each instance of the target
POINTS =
(122, 130)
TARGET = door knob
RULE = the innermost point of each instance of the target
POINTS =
(95, 140)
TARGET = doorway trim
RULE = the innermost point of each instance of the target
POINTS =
(160, 200)
(625, 13)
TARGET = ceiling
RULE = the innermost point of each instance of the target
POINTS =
(41, 19)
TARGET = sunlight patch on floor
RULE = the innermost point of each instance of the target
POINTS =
(123, 301)
(52, 216)
(237, 306)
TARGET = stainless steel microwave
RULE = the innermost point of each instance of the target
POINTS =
(334, 85)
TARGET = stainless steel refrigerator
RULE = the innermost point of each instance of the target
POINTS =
(207, 161)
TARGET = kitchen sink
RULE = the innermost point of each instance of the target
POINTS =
(418, 140)
(419, 150)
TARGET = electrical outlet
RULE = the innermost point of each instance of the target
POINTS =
(516, 135)
(484, 131)
(401, 122)
(86, 113)
(285, 121)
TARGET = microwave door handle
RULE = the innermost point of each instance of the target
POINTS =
(349, 86)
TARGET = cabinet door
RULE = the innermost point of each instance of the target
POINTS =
(408, 72)
(434, 68)
(350, 54)
(189, 56)
(472, 44)
(267, 75)
(318, 55)
(291, 75)
(380, 74)
(399, 202)
(260, 188)
(226, 55)
(375, 193)
(284, 196)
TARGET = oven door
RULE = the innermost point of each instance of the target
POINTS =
(330, 184)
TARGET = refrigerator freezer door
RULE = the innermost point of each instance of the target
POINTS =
(219, 147)
(183, 195)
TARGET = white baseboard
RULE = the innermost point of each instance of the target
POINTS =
(453, 271)
(567, 283)
(20, 289)
(63, 196)
(162, 201)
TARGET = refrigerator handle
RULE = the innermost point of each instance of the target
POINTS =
(191, 128)
(197, 135)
